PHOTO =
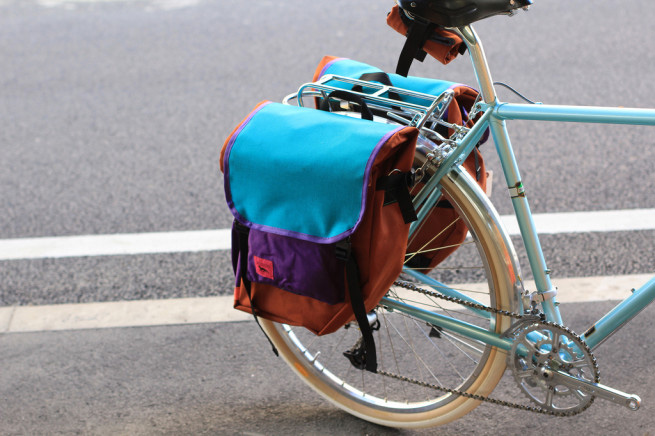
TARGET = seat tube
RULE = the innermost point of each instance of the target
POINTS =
(529, 235)
(512, 176)
(480, 66)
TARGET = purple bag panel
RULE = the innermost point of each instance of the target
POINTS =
(301, 267)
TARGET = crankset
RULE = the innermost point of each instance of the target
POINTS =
(558, 372)
(552, 365)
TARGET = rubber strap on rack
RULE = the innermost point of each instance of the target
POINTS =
(348, 96)
(380, 77)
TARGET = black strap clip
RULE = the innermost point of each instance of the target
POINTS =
(396, 186)
(343, 249)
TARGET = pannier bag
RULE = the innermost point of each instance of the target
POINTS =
(322, 212)
(442, 232)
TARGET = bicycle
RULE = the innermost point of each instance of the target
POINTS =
(446, 339)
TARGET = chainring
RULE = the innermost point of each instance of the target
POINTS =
(548, 346)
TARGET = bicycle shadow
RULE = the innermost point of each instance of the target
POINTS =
(300, 418)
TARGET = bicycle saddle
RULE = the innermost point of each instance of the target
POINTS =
(456, 13)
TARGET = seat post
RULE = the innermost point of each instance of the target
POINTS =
(480, 66)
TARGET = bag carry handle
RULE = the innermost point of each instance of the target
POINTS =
(349, 96)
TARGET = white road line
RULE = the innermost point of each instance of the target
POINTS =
(119, 314)
(211, 240)
(116, 244)
(584, 222)
(182, 311)
(157, 4)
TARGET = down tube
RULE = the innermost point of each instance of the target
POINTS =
(524, 217)
(620, 315)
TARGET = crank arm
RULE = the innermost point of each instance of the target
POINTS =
(630, 401)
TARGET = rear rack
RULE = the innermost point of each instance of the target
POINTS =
(410, 108)
(435, 154)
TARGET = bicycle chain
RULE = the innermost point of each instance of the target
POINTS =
(541, 321)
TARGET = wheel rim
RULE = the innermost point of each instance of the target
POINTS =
(410, 347)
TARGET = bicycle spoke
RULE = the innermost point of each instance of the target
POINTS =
(409, 348)
(450, 364)
(444, 247)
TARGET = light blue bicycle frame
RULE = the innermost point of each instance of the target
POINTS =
(494, 115)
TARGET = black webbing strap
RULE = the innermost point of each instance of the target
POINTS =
(243, 259)
(396, 187)
(344, 252)
(417, 34)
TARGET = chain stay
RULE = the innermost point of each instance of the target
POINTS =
(523, 319)
(413, 287)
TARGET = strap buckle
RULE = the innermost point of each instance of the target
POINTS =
(343, 249)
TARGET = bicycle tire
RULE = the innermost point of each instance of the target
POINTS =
(376, 398)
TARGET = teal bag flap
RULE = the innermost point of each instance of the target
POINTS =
(301, 172)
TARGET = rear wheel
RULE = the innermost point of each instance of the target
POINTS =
(483, 269)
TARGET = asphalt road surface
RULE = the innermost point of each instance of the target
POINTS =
(113, 114)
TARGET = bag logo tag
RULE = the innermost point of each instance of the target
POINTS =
(264, 267)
